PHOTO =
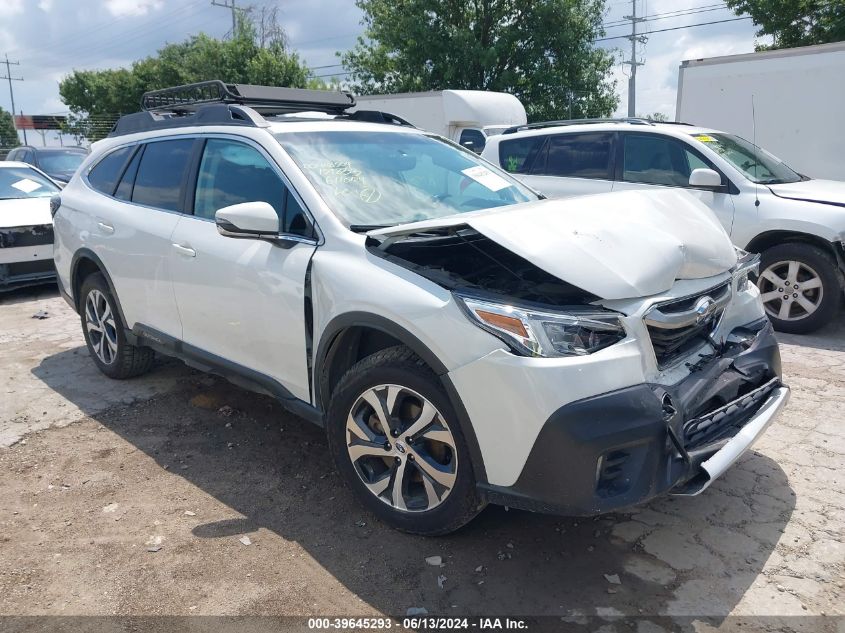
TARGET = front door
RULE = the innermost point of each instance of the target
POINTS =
(653, 160)
(243, 300)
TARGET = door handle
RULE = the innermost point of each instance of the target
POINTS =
(105, 228)
(185, 250)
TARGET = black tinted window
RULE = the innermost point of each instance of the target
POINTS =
(580, 155)
(656, 160)
(520, 154)
(105, 173)
(160, 174)
(127, 182)
(474, 140)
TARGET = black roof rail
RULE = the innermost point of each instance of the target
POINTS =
(264, 99)
(544, 124)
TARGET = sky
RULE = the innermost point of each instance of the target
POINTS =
(50, 38)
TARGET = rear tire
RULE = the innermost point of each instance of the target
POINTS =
(105, 335)
(417, 475)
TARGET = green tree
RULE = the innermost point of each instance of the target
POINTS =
(8, 133)
(657, 117)
(96, 98)
(794, 22)
(540, 51)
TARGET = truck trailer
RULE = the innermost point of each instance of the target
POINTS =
(798, 99)
(467, 117)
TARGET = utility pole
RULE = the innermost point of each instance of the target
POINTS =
(11, 79)
(228, 4)
(632, 80)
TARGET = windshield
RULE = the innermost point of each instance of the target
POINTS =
(755, 163)
(58, 160)
(23, 182)
(377, 179)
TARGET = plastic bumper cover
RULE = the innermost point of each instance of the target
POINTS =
(627, 446)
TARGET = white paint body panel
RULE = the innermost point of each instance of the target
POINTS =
(25, 212)
(16, 255)
(799, 96)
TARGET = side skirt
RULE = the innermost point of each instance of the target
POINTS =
(233, 372)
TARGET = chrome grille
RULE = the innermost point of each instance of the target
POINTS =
(679, 326)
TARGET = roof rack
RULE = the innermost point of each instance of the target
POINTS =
(544, 124)
(264, 99)
(216, 103)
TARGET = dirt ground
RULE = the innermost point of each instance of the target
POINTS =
(139, 498)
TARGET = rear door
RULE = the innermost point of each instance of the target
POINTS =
(562, 165)
(649, 160)
(243, 300)
(131, 229)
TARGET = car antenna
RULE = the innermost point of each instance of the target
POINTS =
(754, 143)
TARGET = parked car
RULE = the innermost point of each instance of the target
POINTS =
(461, 340)
(26, 227)
(57, 162)
(796, 223)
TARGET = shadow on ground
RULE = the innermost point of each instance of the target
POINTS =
(675, 556)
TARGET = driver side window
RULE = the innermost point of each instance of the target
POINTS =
(232, 172)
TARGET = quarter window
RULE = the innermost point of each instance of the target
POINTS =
(580, 156)
(160, 174)
(127, 182)
(232, 172)
(105, 173)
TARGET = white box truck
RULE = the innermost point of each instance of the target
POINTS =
(799, 103)
(467, 117)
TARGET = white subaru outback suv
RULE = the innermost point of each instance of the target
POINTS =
(461, 340)
(796, 223)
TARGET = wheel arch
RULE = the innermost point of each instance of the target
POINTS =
(85, 262)
(351, 337)
(768, 239)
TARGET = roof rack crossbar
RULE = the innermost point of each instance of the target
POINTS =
(264, 99)
(544, 124)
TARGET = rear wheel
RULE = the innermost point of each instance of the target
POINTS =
(799, 286)
(104, 333)
(395, 439)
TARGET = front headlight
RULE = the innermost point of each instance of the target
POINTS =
(536, 333)
(746, 264)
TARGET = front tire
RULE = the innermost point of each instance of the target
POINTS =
(800, 288)
(396, 441)
(104, 333)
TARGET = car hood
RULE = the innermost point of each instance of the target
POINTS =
(25, 212)
(823, 191)
(614, 245)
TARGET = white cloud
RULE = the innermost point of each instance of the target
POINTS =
(120, 8)
(45, 5)
(8, 8)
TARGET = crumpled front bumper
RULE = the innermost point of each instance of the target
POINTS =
(627, 446)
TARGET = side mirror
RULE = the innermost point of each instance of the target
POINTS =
(249, 219)
(705, 179)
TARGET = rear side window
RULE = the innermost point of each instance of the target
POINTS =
(519, 155)
(656, 160)
(160, 174)
(105, 173)
(580, 155)
(473, 140)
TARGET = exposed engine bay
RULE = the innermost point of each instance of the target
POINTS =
(461, 258)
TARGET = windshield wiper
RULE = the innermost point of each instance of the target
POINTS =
(363, 228)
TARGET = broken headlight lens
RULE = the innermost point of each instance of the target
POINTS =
(746, 264)
(535, 333)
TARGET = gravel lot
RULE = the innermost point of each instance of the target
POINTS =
(138, 497)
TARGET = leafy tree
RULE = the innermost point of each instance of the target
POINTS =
(658, 117)
(795, 22)
(8, 133)
(541, 51)
(96, 98)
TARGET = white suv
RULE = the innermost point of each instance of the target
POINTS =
(796, 223)
(460, 340)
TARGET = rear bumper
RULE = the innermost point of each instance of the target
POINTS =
(26, 256)
(627, 446)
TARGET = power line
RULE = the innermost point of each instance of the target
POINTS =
(674, 28)
(670, 14)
